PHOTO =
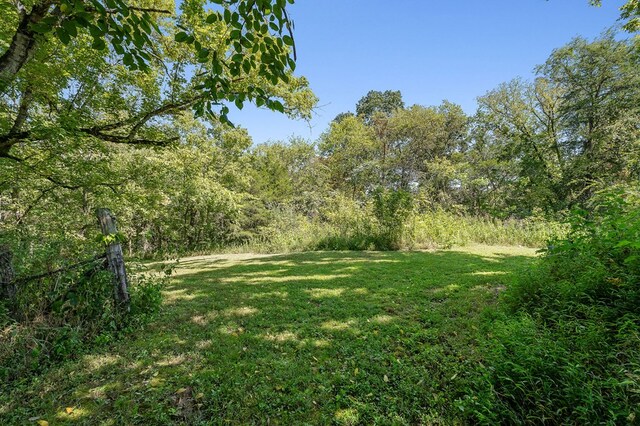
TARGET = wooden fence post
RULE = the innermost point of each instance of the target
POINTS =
(115, 259)
(7, 274)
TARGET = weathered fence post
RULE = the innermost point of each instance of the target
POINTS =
(7, 274)
(115, 259)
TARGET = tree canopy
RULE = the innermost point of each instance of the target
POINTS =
(225, 51)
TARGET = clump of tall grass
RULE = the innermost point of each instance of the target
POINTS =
(443, 229)
(346, 225)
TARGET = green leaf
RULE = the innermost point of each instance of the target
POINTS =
(98, 44)
(41, 28)
(145, 26)
(118, 48)
(70, 28)
(214, 17)
(631, 259)
(276, 106)
(62, 35)
(181, 37)
(50, 20)
(95, 31)
(127, 59)
(138, 40)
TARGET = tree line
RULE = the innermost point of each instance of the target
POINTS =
(533, 148)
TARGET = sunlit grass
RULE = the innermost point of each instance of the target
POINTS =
(308, 338)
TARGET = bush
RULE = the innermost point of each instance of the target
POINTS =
(392, 210)
(568, 348)
(596, 265)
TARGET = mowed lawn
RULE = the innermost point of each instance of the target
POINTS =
(310, 338)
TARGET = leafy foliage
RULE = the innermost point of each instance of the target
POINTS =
(629, 14)
(393, 210)
(571, 351)
(230, 40)
(375, 102)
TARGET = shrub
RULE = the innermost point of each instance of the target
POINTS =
(568, 347)
(392, 210)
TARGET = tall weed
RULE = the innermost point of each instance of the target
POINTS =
(388, 224)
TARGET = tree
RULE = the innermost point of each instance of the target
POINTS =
(386, 102)
(518, 123)
(572, 130)
(420, 135)
(252, 37)
(71, 94)
(72, 114)
(338, 118)
(349, 149)
(600, 85)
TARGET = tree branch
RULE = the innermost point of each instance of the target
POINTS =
(23, 109)
(60, 184)
(165, 109)
(16, 135)
(139, 120)
(151, 9)
(8, 140)
(126, 139)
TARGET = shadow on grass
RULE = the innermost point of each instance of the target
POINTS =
(323, 337)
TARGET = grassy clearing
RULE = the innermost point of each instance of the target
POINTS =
(307, 338)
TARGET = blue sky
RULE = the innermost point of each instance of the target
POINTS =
(429, 50)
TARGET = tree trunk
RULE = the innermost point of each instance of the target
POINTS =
(7, 274)
(22, 44)
(115, 258)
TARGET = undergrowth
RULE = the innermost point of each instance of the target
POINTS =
(567, 347)
(348, 226)
(60, 316)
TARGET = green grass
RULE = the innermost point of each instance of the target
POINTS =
(307, 338)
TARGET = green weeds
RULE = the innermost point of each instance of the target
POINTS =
(352, 228)
(60, 317)
(568, 346)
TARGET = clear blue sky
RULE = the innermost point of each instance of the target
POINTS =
(430, 50)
